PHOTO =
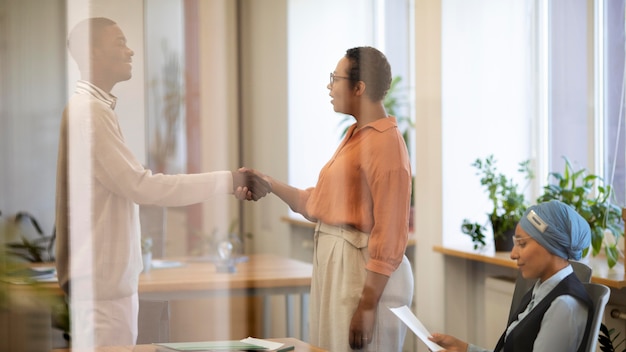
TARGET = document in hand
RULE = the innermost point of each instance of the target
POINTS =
(247, 344)
(408, 318)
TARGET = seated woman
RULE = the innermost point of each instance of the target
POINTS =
(555, 315)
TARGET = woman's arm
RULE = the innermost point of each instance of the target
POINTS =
(364, 317)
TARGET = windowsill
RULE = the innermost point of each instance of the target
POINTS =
(614, 277)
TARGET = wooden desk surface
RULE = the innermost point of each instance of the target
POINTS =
(299, 345)
(196, 277)
(259, 271)
(615, 277)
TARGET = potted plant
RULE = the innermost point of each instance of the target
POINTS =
(591, 198)
(25, 323)
(507, 200)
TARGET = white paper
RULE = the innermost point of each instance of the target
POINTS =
(408, 318)
(165, 264)
(270, 345)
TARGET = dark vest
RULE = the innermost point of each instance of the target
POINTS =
(522, 337)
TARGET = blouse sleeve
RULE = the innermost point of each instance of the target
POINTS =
(389, 177)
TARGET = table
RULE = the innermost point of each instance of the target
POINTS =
(261, 275)
(299, 345)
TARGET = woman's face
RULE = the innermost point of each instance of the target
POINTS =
(533, 260)
(340, 88)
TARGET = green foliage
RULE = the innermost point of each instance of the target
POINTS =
(607, 340)
(14, 268)
(591, 198)
(37, 250)
(507, 200)
(476, 231)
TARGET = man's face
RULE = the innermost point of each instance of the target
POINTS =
(111, 57)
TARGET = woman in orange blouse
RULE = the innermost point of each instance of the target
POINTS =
(361, 207)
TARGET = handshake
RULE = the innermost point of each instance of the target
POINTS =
(250, 184)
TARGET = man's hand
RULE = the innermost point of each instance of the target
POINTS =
(250, 185)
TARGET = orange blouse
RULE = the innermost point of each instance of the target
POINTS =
(367, 184)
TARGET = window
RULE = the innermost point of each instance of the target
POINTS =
(611, 59)
(586, 59)
(530, 79)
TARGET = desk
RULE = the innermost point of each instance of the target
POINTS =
(300, 346)
(261, 274)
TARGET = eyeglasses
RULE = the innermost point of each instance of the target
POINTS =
(516, 240)
(334, 77)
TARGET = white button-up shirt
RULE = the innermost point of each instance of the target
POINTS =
(99, 184)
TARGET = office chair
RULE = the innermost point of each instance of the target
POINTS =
(582, 271)
(600, 296)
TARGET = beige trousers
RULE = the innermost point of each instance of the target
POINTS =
(339, 259)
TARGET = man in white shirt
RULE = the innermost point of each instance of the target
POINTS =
(99, 186)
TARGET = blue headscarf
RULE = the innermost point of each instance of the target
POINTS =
(558, 228)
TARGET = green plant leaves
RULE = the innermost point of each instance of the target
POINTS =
(37, 250)
(475, 231)
(585, 192)
(591, 198)
(607, 339)
(507, 199)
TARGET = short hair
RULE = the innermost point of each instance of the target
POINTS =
(86, 34)
(369, 65)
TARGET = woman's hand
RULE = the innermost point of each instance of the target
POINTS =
(450, 343)
(361, 327)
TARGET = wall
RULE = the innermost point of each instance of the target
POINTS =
(264, 108)
(264, 111)
(32, 97)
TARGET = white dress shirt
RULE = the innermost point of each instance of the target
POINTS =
(104, 182)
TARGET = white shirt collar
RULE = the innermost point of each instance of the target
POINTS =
(85, 87)
(542, 289)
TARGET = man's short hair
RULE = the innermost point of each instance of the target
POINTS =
(85, 35)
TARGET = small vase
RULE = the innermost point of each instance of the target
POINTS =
(147, 262)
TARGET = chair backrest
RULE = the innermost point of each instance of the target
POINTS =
(582, 271)
(600, 296)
